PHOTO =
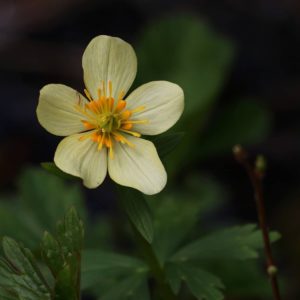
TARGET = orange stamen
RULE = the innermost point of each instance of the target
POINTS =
(100, 141)
(135, 122)
(110, 88)
(99, 93)
(88, 125)
(107, 119)
(120, 106)
(126, 114)
(120, 138)
(138, 109)
(111, 103)
(93, 106)
(127, 126)
(95, 136)
(103, 89)
(121, 95)
(136, 134)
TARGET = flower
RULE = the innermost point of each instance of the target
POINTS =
(103, 129)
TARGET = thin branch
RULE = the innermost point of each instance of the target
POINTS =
(256, 174)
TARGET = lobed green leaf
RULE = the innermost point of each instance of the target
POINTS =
(239, 242)
(138, 212)
(97, 264)
(133, 287)
(21, 273)
(176, 212)
(202, 284)
(52, 253)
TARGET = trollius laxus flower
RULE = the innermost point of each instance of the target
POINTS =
(103, 128)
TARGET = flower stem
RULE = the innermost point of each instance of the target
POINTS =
(163, 288)
(256, 175)
(79, 278)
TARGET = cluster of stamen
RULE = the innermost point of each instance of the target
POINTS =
(107, 119)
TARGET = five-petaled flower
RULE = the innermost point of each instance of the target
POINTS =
(104, 128)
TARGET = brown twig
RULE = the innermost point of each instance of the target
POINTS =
(256, 175)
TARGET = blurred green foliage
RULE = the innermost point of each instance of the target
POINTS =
(184, 50)
(40, 201)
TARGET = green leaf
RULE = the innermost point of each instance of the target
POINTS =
(27, 280)
(174, 277)
(97, 265)
(240, 242)
(178, 211)
(71, 232)
(5, 273)
(202, 284)
(63, 255)
(8, 295)
(52, 253)
(133, 287)
(244, 122)
(166, 143)
(138, 212)
(53, 169)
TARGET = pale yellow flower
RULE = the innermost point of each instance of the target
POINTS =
(104, 129)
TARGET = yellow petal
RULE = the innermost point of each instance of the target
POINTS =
(138, 167)
(163, 102)
(56, 110)
(79, 157)
(108, 58)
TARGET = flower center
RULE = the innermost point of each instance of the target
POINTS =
(107, 119)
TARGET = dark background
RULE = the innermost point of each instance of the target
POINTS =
(42, 42)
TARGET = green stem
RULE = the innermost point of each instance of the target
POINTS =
(163, 288)
(79, 278)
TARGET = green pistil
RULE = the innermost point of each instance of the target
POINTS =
(109, 123)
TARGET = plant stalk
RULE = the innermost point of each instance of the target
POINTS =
(163, 288)
(79, 278)
(256, 175)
